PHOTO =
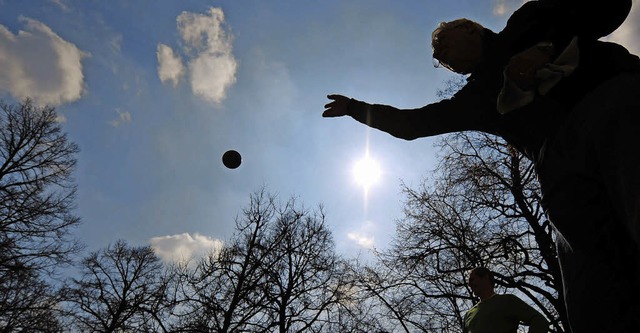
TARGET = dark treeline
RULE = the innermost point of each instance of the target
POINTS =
(279, 272)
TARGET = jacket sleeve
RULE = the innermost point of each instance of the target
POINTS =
(471, 108)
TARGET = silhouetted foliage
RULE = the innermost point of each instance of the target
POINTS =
(29, 304)
(277, 274)
(122, 289)
(37, 194)
(481, 209)
(305, 280)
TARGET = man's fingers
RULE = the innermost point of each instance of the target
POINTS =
(329, 113)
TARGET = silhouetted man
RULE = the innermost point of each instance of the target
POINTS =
(580, 128)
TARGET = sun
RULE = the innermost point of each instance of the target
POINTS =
(366, 172)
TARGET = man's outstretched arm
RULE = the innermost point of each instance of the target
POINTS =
(447, 116)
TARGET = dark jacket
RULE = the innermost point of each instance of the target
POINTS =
(474, 106)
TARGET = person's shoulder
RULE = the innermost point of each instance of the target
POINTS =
(540, 5)
(532, 8)
(504, 296)
(614, 48)
(508, 297)
(610, 53)
(475, 306)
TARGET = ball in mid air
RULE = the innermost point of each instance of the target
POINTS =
(231, 159)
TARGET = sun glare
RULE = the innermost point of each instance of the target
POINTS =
(366, 172)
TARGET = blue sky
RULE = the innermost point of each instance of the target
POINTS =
(154, 92)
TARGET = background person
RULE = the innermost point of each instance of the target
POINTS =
(498, 313)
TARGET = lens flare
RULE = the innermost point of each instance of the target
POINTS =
(366, 172)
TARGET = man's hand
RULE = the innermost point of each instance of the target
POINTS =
(336, 108)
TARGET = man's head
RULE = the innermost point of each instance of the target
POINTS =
(481, 282)
(458, 45)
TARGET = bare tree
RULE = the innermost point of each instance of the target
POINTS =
(122, 289)
(482, 209)
(360, 309)
(29, 304)
(302, 279)
(223, 293)
(37, 194)
(36, 188)
(275, 274)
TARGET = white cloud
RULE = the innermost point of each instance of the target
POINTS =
(60, 118)
(363, 240)
(123, 117)
(364, 235)
(62, 4)
(181, 247)
(38, 63)
(204, 32)
(500, 8)
(506, 7)
(170, 66)
(207, 47)
(212, 75)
